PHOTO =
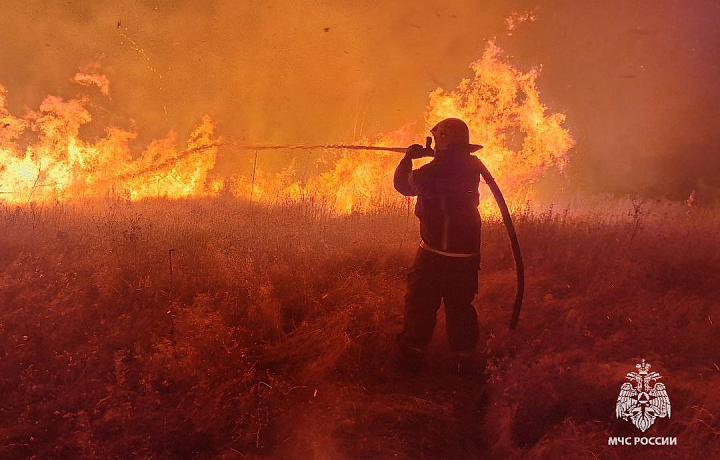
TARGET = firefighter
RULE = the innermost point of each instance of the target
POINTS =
(447, 262)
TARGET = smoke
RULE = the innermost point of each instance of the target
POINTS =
(636, 79)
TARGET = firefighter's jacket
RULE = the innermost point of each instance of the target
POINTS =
(447, 200)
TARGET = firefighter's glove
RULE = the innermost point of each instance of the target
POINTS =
(418, 151)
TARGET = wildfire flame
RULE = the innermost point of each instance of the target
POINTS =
(500, 104)
(502, 108)
(59, 165)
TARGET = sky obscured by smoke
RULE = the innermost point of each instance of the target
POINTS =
(637, 79)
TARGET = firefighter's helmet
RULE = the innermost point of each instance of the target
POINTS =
(454, 131)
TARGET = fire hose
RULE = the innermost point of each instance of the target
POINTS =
(484, 172)
(507, 220)
(514, 243)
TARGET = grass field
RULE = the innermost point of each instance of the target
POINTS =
(272, 337)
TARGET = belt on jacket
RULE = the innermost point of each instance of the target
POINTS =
(425, 246)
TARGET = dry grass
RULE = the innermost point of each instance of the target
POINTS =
(284, 318)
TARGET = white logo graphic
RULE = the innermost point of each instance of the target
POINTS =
(642, 403)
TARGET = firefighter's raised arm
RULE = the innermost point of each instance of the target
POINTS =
(403, 179)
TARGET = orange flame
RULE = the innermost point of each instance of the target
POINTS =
(60, 165)
(500, 104)
(502, 108)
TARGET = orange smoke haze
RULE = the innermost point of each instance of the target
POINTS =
(632, 78)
